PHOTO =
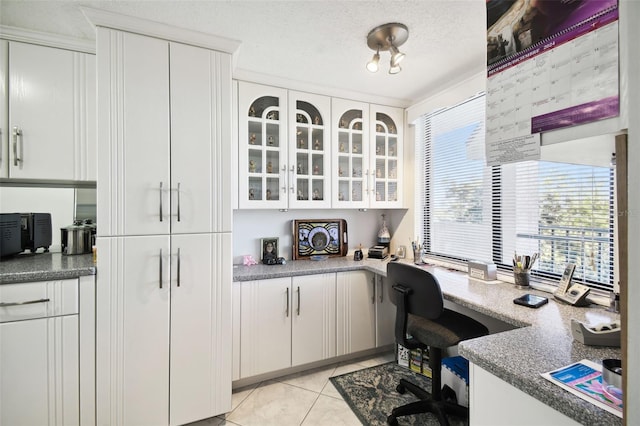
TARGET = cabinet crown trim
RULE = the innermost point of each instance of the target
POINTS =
(47, 39)
(116, 21)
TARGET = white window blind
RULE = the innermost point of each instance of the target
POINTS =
(470, 211)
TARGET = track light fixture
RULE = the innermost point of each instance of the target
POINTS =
(387, 37)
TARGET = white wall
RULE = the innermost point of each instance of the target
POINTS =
(57, 201)
(249, 226)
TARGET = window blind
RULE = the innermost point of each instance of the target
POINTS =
(470, 211)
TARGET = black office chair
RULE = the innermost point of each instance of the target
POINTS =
(420, 313)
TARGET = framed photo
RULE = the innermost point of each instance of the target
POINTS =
(268, 249)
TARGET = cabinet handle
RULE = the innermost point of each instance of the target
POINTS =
(298, 301)
(16, 133)
(291, 173)
(178, 201)
(28, 302)
(160, 269)
(178, 266)
(381, 295)
(287, 302)
(373, 293)
(160, 202)
(366, 179)
(283, 175)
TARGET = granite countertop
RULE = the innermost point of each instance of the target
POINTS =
(45, 267)
(541, 340)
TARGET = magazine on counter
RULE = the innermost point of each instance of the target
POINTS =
(584, 379)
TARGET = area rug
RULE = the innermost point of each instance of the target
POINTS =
(371, 394)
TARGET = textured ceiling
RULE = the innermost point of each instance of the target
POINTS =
(305, 42)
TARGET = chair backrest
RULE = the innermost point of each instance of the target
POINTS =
(425, 299)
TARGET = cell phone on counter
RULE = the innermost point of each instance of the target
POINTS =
(531, 300)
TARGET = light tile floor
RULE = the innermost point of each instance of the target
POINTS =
(307, 398)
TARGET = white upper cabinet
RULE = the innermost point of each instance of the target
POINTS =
(262, 134)
(201, 146)
(133, 145)
(351, 153)
(4, 113)
(49, 130)
(367, 155)
(165, 152)
(309, 151)
(284, 148)
(386, 150)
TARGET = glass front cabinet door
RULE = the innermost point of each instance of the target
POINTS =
(386, 157)
(284, 148)
(351, 154)
(309, 151)
(262, 133)
(367, 155)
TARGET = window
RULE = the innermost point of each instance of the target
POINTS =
(471, 211)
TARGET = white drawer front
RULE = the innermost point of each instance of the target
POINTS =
(38, 300)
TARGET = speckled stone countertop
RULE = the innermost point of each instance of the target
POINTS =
(541, 340)
(45, 267)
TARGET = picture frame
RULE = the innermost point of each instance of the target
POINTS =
(266, 252)
(319, 237)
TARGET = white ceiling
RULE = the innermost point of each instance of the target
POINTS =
(305, 44)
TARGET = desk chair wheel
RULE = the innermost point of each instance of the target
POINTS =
(401, 389)
(392, 421)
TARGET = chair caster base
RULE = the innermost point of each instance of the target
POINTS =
(392, 421)
(401, 389)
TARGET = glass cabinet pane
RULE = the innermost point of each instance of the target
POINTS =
(310, 152)
(351, 167)
(386, 158)
(263, 149)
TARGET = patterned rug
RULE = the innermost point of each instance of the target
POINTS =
(371, 394)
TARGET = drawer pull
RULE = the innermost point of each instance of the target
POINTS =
(29, 302)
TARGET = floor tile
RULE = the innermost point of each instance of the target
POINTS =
(330, 411)
(330, 390)
(274, 403)
(313, 380)
(240, 395)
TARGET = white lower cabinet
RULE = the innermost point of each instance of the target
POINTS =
(486, 409)
(43, 364)
(291, 321)
(356, 308)
(385, 314)
(366, 316)
(286, 322)
(164, 327)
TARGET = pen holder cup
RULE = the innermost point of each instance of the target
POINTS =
(417, 256)
(521, 278)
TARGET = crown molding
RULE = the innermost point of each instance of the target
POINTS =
(47, 39)
(116, 21)
(242, 74)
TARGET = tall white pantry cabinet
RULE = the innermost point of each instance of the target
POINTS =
(164, 244)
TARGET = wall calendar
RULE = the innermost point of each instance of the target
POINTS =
(550, 64)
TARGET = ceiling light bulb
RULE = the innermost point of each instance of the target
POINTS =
(396, 56)
(372, 65)
(394, 69)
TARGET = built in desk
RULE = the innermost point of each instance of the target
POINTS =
(540, 340)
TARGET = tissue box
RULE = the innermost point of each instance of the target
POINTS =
(455, 374)
(482, 270)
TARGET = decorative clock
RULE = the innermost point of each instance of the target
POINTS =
(319, 237)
